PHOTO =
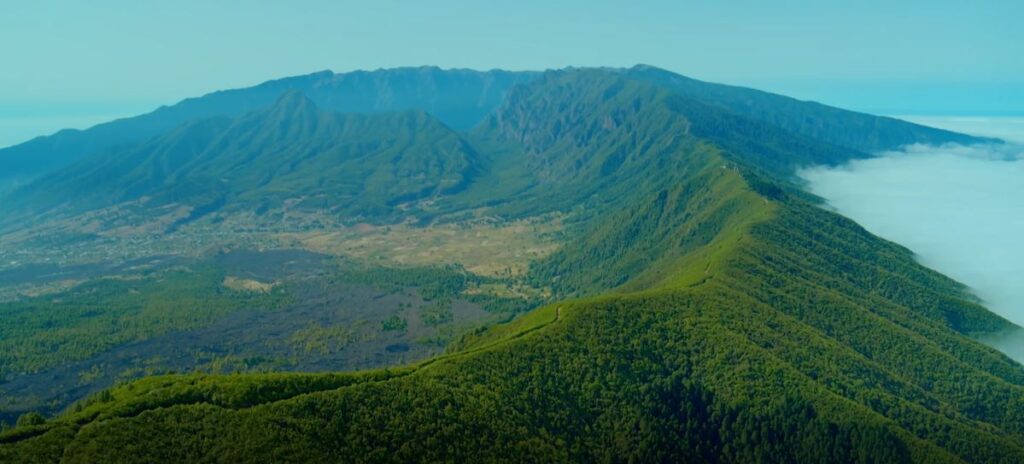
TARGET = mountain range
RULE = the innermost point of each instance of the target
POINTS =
(703, 306)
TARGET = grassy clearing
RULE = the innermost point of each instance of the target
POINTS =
(483, 248)
(248, 285)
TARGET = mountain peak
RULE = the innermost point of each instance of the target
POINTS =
(294, 100)
(645, 67)
(292, 110)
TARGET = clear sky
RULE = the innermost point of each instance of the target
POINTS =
(77, 59)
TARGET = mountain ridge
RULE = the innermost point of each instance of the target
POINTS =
(706, 309)
(794, 115)
(252, 157)
(472, 93)
(400, 88)
(690, 370)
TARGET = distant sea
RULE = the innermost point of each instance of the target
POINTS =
(1009, 128)
(21, 123)
(15, 130)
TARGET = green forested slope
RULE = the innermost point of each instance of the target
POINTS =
(802, 339)
(346, 164)
(840, 127)
(458, 97)
(593, 141)
(722, 317)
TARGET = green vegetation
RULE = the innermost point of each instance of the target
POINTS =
(439, 283)
(30, 419)
(394, 323)
(459, 98)
(202, 318)
(432, 282)
(828, 366)
(45, 331)
(708, 311)
(856, 131)
(438, 313)
(324, 340)
(366, 165)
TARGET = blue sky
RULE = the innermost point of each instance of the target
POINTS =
(64, 58)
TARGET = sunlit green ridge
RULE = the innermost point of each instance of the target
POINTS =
(710, 311)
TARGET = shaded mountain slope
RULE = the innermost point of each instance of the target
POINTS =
(858, 131)
(290, 152)
(459, 98)
(570, 138)
(595, 140)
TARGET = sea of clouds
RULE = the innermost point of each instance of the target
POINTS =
(959, 208)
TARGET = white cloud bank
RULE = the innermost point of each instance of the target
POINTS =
(960, 209)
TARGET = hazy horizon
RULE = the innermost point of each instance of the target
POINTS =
(88, 58)
(23, 122)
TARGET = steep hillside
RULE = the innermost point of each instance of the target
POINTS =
(595, 140)
(351, 165)
(795, 336)
(857, 131)
(604, 145)
(459, 98)
(722, 316)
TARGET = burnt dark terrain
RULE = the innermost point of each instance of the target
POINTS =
(322, 322)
